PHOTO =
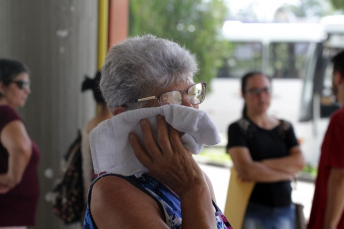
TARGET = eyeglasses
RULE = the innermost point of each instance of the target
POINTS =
(196, 95)
(258, 91)
(21, 84)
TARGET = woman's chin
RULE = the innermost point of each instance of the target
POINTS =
(262, 110)
(22, 104)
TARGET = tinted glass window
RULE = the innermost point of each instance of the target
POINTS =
(287, 60)
(241, 58)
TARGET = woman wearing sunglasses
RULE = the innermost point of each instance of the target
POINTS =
(265, 150)
(19, 155)
(151, 179)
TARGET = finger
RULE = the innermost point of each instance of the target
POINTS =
(176, 142)
(141, 154)
(148, 138)
(163, 136)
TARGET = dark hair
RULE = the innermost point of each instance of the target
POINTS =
(338, 62)
(93, 84)
(9, 69)
(244, 83)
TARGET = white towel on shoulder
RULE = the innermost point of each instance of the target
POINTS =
(112, 152)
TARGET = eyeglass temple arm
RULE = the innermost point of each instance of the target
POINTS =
(147, 98)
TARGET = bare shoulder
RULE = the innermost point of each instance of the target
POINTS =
(115, 201)
(14, 136)
(91, 124)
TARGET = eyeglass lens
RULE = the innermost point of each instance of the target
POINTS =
(195, 93)
(258, 91)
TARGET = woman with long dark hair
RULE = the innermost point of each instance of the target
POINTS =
(102, 114)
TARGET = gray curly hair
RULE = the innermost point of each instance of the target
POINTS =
(138, 66)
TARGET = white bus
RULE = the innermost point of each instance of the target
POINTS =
(288, 53)
(317, 101)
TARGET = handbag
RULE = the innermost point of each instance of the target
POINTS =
(68, 193)
(300, 221)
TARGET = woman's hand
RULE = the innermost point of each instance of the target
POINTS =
(4, 188)
(173, 165)
(168, 160)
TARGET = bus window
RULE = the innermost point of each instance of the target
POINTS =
(287, 60)
(327, 97)
(328, 103)
(242, 56)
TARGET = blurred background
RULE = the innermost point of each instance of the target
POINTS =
(61, 41)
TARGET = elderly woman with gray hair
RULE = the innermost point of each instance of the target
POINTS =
(149, 178)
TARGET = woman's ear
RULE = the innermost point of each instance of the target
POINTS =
(1, 88)
(118, 110)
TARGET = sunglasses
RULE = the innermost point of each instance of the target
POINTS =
(195, 93)
(21, 84)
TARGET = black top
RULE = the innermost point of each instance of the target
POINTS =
(264, 144)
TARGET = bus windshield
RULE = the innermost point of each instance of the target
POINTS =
(285, 59)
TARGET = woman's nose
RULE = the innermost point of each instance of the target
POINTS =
(27, 90)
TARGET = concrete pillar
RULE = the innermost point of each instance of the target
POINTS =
(57, 39)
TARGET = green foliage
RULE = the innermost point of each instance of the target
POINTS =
(214, 154)
(311, 8)
(339, 4)
(194, 24)
(310, 170)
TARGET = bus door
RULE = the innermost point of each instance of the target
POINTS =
(318, 101)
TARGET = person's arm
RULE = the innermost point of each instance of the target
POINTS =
(87, 168)
(249, 170)
(335, 198)
(115, 203)
(17, 142)
(291, 164)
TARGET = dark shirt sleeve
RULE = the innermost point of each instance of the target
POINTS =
(235, 136)
(7, 115)
(291, 140)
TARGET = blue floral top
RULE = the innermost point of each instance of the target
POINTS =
(168, 202)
